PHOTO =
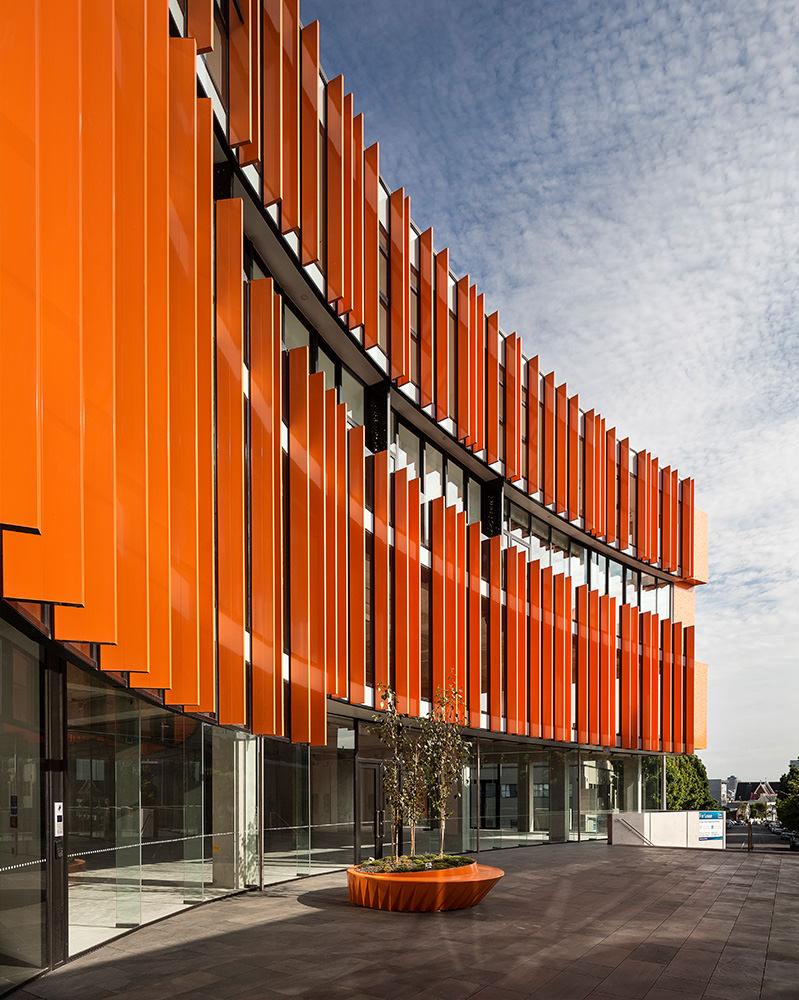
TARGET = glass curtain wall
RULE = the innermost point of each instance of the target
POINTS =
(22, 830)
(161, 810)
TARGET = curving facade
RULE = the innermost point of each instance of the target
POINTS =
(261, 450)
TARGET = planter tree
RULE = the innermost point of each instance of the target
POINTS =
(390, 731)
(446, 750)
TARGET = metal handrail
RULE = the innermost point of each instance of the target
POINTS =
(646, 840)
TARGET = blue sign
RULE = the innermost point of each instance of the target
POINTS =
(711, 825)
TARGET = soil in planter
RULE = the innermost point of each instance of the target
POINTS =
(414, 863)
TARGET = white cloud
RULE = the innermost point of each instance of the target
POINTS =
(621, 179)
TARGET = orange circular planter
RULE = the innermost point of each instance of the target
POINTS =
(427, 891)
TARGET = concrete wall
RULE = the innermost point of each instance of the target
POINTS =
(705, 830)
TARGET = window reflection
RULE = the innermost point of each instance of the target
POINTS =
(631, 586)
(454, 485)
(433, 473)
(353, 395)
(578, 565)
(599, 564)
(560, 551)
(615, 580)
(539, 541)
(648, 593)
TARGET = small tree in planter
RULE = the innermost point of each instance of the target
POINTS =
(446, 751)
(390, 731)
(415, 778)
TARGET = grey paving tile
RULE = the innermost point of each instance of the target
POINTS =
(632, 979)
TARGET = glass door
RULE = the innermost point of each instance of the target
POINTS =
(371, 811)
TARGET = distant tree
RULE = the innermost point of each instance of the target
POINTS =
(687, 786)
(758, 810)
(788, 799)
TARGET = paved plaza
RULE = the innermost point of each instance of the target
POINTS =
(567, 922)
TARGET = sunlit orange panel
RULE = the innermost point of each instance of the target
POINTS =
(239, 71)
(357, 564)
(50, 566)
(230, 461)
(335, 189)
(171, 190)
(414, 606)
(299, 546)
(561, 448)
(345, 304)
(594, 640)
(690, 692)
(599, 480)
(461, 601)
(318, 606)
(341, 548)
(492, 388)
(426, 314)
(438, 634)
(512, 641)
(607, 671)
(464, 359)
(265, 509)
(652, 665)
(206, 567)
(549, 438)
(547, 654)
(679, 688)
(611, 497)
(97, 621)
(452, 642)
(654, 510)
(687, 528)
(674, 515)
(534, 646)
(633, 708)
(664, 506)
(523, 700)
(624, 494)
(272, 73)
(533, 458)
(357, 170)
(512, 409)
(443, 359)
(641, 507)
(331, 611)
(494, 634)
(582, 664)
(251, 151)
(401, 590)
(133, 618)
(589, 471)
(382, 570)
(573, 475)
(201, 23)
(472, 339)
(309, 115)
(562, 643)
(20, 335)
(290, 208)
(480, 373)
(397, 296)
(371, 246)
(475, 618)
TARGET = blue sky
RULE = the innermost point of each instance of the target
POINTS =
(622, 180)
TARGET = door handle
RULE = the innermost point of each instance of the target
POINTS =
(379, 820)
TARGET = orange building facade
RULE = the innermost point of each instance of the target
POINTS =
(261, 450)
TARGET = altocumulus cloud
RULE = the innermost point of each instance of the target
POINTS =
(622, 179)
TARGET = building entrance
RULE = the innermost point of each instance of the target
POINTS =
(371, 811)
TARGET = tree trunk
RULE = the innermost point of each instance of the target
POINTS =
(443, 824)
(412, 821)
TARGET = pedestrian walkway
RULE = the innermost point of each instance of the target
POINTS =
(567, 922)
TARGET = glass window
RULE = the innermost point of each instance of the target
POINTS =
(598, 573)
(22, 848)
(326, 364)
(578, 565)
(332, 772)
(352, 393)
(616, 580)
(295, 332)
(560, 551)
(475, 500)
(631, 586)
(454, 484)
(663, 599)
(648, 593)
(433, 473)
(518, 523)
(409, 450)
(539, 539)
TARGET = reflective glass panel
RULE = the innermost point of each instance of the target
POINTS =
(539, 541)
(649, 600)
(598, 573)
(616, 580)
